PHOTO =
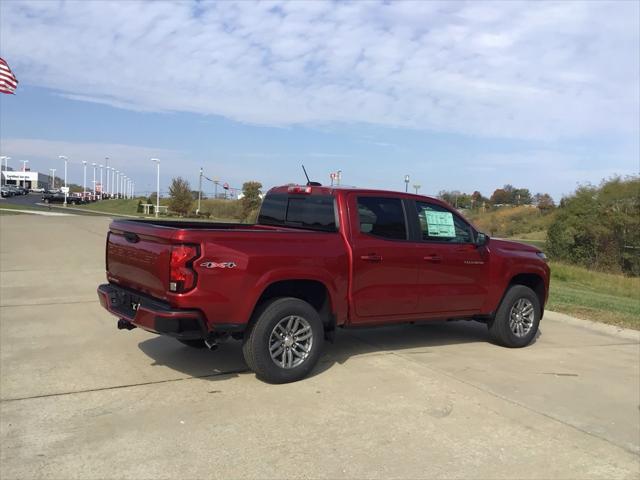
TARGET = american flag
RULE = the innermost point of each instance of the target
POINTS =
(8, 81)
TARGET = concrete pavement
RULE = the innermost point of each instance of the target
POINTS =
(80, 399)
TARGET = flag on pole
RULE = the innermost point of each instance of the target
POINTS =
(8, 81)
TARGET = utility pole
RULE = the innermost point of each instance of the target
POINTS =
(157, 160)
(199, 192)
(215, 188)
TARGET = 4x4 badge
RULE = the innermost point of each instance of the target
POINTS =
(218, 265)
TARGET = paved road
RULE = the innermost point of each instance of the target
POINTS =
(80, 399)
(33, 201)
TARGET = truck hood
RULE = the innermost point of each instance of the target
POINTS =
(514, 246)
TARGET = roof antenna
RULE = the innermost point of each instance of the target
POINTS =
(309, 182)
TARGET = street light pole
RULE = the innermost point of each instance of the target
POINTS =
(106, 164)
(101, 184)
(53, 178)
(406, 183)
(62, 157)
(94, 180)
(84, 180)
(117, 183)
(339, 176)
(6, 166)
(417, 187)
(113, 181)
(157, 160)
(24, 170)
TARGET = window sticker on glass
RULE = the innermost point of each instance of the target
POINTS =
(440, 224)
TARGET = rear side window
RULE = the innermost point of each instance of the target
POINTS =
(312, 212)
(382, 217)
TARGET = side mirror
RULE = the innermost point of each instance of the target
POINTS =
(481, 239)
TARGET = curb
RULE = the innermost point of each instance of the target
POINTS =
(605, 328)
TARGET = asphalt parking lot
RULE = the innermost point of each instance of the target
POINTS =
(80, 399)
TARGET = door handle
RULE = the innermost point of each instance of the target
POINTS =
(371, 258)
(432, 258)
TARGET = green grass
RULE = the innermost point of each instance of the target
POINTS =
(130, 207)
(12, 206)
(116, 207)
(602, 297)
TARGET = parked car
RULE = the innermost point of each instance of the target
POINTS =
(57, 196)
(37, 190)
(22, 190)
(14, 190)
(6, 191)
(319, 258)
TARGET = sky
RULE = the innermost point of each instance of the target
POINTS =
(458, 95)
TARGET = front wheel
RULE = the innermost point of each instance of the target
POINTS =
(516, 321)
(285, 340)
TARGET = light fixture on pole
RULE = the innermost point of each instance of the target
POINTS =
(6, 166)
(53, 178)
(66, 191)
(84, 180)
(417, 187)
(94, 179)
(101, 184)
(339, 176)
(406, 183)
(157, 160)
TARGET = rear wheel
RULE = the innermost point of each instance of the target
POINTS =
(516, 321)
(284, 341)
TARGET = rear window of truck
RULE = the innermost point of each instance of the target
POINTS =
(311, 212)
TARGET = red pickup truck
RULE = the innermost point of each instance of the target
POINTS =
(319, 258)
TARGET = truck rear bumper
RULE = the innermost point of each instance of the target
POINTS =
(151, 314)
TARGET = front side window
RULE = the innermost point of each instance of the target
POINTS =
(437, 224)
(382, 217)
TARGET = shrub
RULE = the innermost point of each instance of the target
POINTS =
(599, 227)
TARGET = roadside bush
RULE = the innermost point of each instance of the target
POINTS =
(180, 198)
(222, 209)
(599, 227)
(251, 201)
(512, 221)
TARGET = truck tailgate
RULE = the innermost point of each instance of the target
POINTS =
(138, 257)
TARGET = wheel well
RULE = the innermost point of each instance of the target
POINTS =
(311, 291)
(534, 282)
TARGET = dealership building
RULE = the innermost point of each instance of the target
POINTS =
(28, 178)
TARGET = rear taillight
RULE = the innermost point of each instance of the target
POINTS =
(183, 277)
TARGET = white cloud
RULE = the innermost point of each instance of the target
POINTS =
(507, 69)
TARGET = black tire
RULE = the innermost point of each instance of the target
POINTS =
(500, 326)
(197, 343)
(259, 335)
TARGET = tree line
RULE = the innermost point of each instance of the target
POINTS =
(508, 195)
